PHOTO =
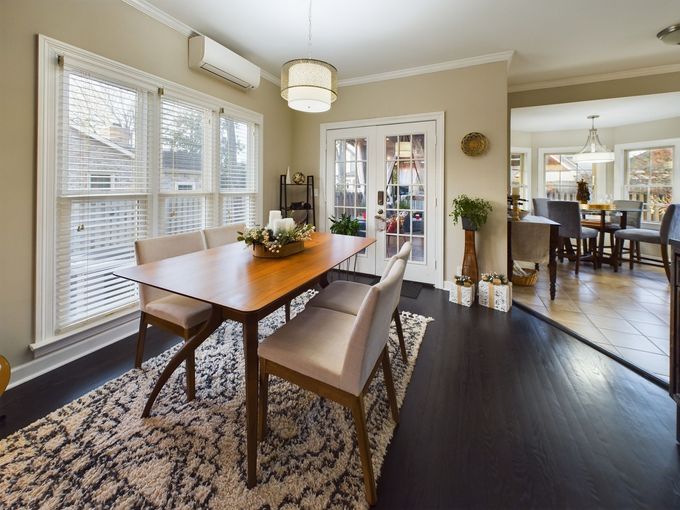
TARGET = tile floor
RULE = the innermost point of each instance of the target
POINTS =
(627, 312)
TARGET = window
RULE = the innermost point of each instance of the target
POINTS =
(649, 178)
(520, 171)
(561, 173)
(97, 221)
(124, 155)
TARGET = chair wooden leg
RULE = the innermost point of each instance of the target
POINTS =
(615, 254)
(578, 255)
(287, 311)
(364, 449)
(631, 254)
(666, 261)
(638, 252)
(263, 401)
(389, 384)
(191, 376)
(141, 337)
(400, 334)
(560, 250)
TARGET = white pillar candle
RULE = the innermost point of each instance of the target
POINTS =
(289, 224)
(278, 226)
(273, 216)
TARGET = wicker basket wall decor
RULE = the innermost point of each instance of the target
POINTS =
(474, 144)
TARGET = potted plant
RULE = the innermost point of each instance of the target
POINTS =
(345, 225)
(473, 212)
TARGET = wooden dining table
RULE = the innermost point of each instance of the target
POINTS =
(242, 288)
(601, 225)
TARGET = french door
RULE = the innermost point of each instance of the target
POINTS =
(385, 176)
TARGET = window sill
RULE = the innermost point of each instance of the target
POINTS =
(107, 330)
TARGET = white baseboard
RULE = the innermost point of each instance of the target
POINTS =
(58, 358)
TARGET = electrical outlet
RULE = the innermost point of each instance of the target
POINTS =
(316, 192)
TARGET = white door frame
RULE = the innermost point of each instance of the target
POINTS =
(438, 119)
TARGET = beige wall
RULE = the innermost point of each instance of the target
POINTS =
(655, 84)
(115, 30)
(474, 99)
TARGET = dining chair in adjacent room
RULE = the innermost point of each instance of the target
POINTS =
(346, 296)
(336, 355)
(633, 220)
(568, 215)
(179, 314)
(219, 236)
(540, 207)
(670, 225)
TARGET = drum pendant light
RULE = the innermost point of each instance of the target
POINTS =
(309, 85)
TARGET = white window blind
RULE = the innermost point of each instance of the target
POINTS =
(102, 202)
(124, 155)
(186, 158)
(238, 170)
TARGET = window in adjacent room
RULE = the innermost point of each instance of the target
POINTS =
(561, 175)
(649, 178)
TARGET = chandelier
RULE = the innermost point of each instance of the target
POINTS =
(593, 151)
(309, 85)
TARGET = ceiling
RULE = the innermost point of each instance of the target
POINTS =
(552, 39)
(612, 112)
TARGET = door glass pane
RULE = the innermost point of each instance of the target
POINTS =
(405, 172)
(350, 180)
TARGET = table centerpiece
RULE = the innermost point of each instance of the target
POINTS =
(281, 239)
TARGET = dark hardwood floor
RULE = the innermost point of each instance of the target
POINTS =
(503, 411)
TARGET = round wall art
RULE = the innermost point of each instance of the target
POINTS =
(474, 144)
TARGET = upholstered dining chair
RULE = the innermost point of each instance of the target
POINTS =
(179, 314)
(670, 227)
(335, 355)
(568, 215)
(219, 236)
(540, 207)
(633, 220)
(346, 296)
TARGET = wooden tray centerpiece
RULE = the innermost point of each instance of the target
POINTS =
(284, 239)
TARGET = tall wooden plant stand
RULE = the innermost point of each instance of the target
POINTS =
(470, 257)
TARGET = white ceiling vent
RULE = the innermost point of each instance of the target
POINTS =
(210, 56)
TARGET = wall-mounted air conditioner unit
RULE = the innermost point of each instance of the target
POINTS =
(210, 56)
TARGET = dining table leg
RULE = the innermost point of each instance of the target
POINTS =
(552, 258)
(182, 355)
(251, 373)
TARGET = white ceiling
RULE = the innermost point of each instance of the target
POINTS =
(612, 112)
(553, 39)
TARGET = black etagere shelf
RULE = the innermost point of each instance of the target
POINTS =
(308, 206)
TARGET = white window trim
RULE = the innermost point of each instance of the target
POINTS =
(620, 166)
(542, 151)
(526, 151)
(48, 51)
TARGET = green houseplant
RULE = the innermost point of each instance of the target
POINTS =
(472, 211)
(345, 225)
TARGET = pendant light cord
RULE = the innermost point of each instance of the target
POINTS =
(309, 31)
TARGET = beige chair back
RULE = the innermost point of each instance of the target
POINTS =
(404, 254)
(372, 327)
(159, 248)
(219, 236)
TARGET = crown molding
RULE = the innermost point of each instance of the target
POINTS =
(502, 56)
(159, 15)
(594, 78)
(276, 80)
(184, 29)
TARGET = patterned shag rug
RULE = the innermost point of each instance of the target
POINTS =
(97, 452)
